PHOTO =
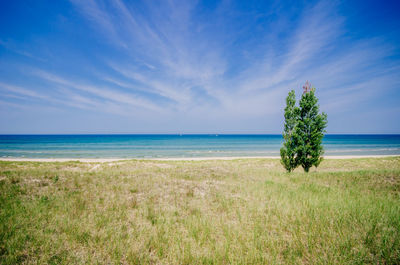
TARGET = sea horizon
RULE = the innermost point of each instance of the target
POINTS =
(44, 134)
(154, 145)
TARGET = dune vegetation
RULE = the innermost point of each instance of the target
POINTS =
(244, 211)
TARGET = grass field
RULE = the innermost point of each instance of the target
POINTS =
(245, 211)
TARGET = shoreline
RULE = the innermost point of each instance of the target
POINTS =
(104, 160)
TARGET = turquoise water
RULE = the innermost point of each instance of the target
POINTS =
(161, 146)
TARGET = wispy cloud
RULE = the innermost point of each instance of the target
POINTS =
(105, 93)
(183, 58)
(12, 47)
(23, 91)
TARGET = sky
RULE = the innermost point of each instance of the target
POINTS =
(168, 66)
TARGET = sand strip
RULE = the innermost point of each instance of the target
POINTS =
(102, 160)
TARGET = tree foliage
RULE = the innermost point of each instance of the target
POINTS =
(288, 151)
(303, 132)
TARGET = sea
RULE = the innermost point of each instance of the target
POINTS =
(182, 146)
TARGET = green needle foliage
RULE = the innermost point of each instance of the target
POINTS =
(303, 132)
(310, 131)
(288, 151)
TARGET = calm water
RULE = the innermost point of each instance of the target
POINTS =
(153, 146)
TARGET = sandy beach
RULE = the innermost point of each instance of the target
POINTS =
(104, 160)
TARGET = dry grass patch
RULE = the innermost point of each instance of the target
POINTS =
(245, 211)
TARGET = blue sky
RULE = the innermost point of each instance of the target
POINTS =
(169, 66)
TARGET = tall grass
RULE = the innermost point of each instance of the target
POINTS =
(245, 211)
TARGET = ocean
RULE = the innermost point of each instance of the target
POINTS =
(175, 146)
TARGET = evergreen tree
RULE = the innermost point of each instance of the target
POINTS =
(288, 151)
(303, 131)
(310, 130)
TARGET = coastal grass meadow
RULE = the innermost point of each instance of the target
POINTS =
(243, 211)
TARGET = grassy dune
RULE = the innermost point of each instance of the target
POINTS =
(245, 211)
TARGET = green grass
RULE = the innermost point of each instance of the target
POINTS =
(245, 211)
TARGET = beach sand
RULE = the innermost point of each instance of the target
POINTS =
(103, 160)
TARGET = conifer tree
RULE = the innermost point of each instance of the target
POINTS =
(288, 151)
(303, 131)
(310, 130)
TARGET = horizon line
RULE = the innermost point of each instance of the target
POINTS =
(180, 134)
